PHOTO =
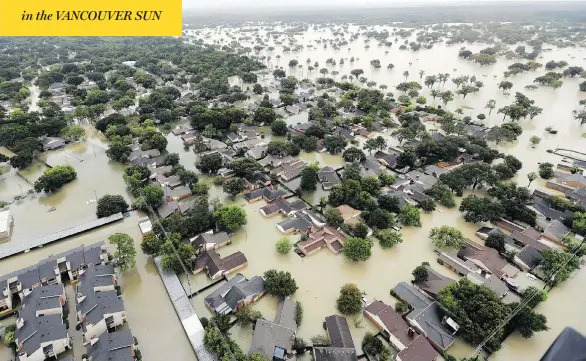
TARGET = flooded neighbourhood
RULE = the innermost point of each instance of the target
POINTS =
(134, 158)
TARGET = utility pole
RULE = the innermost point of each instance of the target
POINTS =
(95, 195)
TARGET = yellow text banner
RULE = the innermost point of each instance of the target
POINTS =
(90, 18)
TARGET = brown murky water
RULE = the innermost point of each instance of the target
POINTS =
(387, 267)
(321, 275)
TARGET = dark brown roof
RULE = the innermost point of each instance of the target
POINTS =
(392, 321)
(339, 332)
(310, 245)
(419, 350)
(233, 261)
(336, 245)
(375, 307)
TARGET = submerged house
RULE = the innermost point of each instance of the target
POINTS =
(99, 308)
(410, 345)
(266, 193)
(274, 339)
(283, 206)
(52, 143)
(115, 346)
(427, 317)
(301, 222)
(235, 294)
(328, 177)
(216, 267)
(488, 260)
(341, 346)
(40, 332)
(321, 238)
(434, 284)
(209, 241)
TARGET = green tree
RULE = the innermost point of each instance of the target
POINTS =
(558, 265)
(152, 196)
(357, 249)
(234, 186)
(279, 128)
(55, 178)
(546, 170)
(496, 241)
(579, 223)
(110, 204)
(309, 177)
(447, 237)
(279, 283)
(531, 176)
(420, 274)
(151, 244)
(210, 163)
(244, 167)
(350, 300)
(284, 245)
(389, 237)
(264, 116)
(480, 209)
(410, 216)
(245, 316)
(334, 217)
(353, 154)
(230, 218)
(73, 132)
(334, 144)
(125, 254)
(427, 205)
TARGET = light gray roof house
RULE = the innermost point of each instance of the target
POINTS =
(274, 340)
(115, 346)
(228, 296)
(427, 317)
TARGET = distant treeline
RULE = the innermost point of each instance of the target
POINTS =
(558, 11)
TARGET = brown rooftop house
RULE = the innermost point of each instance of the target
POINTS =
(488, 260)
(217, 267)
(434, 284)
(319, 238)
(410, 345)
(341, 347)
(349, 214)
(284, 207)
(274, 340)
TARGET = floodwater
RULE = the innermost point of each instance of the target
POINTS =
(74, 203)
(388, 267)
(150, 314)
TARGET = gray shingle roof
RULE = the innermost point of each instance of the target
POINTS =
(334, 354)
(115, 346)
(339, 331)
